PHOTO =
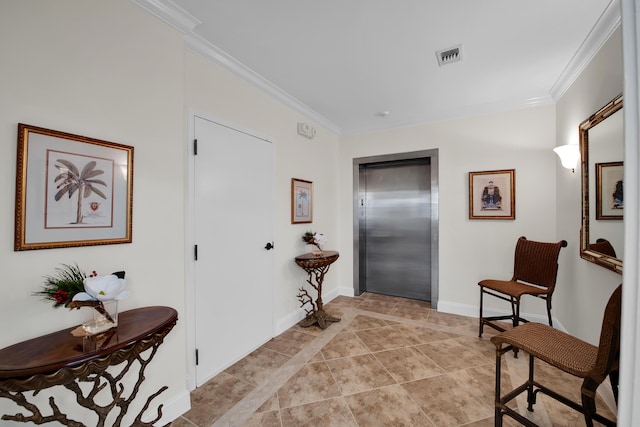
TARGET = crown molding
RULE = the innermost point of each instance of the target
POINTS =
(198, 45)
(609, 21)
(173, 15)
(170, 13)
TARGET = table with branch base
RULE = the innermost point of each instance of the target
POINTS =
(62, 359)
(316, 266)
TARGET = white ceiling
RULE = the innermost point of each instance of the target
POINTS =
(342, 62)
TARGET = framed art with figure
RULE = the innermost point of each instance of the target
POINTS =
(492, 194)
(609, 190)
(301, 201)
(71, 190)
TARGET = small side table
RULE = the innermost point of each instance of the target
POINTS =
(61, 359)
(316, 266)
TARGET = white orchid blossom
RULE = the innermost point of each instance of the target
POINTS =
(102, 288)
(319, 239)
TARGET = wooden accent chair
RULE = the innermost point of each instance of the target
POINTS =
(534, 273)
(604, 247)
(570, 354)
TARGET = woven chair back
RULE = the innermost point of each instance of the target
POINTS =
(609, 347)
(537, 262)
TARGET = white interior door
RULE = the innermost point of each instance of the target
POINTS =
(233, 207)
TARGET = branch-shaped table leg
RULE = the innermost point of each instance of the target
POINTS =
(316, 268)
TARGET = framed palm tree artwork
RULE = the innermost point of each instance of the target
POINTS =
(301, 201)
(71, 190)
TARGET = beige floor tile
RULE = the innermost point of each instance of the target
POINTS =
(480, 382)
(215, 397)
(384, 338)
(421, 335)
(389, 362)
(408, 364)
(445, 402)
(264, 419)
(453, 321)
(451, 355)
(359, 373)
(258, 366)
(482, 345)
(290, 342)
(326, 413)
(271, 404)
(414, 303)
(377, 306)
(344, 344)
(387, 406)
(311, 383)
(342, 301)
(361, 322)
(410, 312)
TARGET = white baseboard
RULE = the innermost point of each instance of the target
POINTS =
(172, 409)
(346, 292)
(289, 320)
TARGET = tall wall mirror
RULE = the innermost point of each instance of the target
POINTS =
(602, 160)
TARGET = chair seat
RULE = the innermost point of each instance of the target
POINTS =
(513, 288)
(555, 347)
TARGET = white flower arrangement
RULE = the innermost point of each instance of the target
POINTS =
(316, 239)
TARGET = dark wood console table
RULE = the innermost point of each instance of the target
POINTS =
(61, 359)
(316, 266)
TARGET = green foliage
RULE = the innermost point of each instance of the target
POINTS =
(307, 237)
(61, 287)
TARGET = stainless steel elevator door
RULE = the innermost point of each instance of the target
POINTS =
(395, 224)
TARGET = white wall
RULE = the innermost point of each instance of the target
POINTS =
(583, 288)
(471, 250)
(108, 70)
(112, 71)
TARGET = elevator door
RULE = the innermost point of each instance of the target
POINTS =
(395, 227)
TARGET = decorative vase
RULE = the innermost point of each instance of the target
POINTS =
(101, 317)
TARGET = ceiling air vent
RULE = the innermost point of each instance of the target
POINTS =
(447, 56)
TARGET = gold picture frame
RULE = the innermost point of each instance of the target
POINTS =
(492, 194)
(71, 190)
(301, 201)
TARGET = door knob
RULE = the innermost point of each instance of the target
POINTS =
(269, 246)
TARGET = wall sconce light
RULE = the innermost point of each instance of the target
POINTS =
(569, 155)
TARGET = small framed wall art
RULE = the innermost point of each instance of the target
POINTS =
(609, 186)
(301, 201)
(492, 194)
(71, 190)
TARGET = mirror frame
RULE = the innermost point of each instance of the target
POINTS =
(598, 258)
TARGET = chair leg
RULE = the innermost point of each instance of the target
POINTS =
(516, 320)
(531, 396)
(481, 326)
(498, 411)
(515, 311)
(613, 377)
(588, 406)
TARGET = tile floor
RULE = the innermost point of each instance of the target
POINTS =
(389, 362)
